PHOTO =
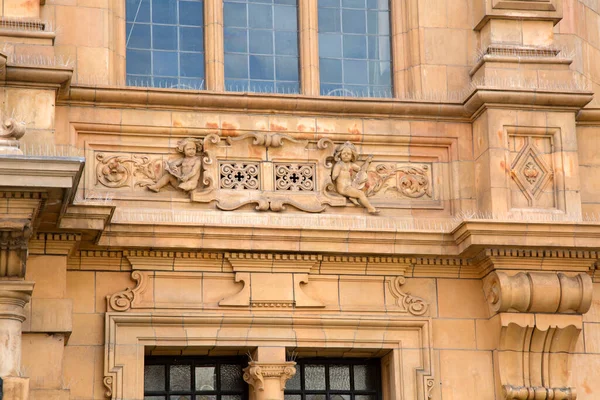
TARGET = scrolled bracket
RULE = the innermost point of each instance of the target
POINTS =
(122, 301)
(412, 304)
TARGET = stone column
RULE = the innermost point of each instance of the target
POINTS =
(14, 295)
(268, 375)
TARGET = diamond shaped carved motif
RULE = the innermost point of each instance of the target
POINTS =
(530, 172)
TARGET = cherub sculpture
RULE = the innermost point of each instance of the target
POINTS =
(349, 178)
(184, 172)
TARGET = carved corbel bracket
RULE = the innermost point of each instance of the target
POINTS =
(535, 350)
(407, 302)
(534, 355)
(14, 238)
(256, 373)
(539, 292)
(122, 301)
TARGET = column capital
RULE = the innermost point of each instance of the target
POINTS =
(266, 377)
(14, 238)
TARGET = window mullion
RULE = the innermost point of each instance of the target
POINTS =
(308, 32)
(213, 44)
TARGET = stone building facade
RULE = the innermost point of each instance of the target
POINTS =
(434, 236)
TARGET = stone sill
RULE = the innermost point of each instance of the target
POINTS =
(153, 98)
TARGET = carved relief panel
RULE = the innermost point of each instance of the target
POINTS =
(532, 170)
(268, 171)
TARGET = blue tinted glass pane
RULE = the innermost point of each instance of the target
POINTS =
(330, 70)
(139, 80)
(330, 45)
(262, 87)
(286, 43)
(356, 91)
(355, 46)
(166, 82)
(332, 90)
(288, 2)
(193, 84)
(234, 14)
(164, 11)
(353, 21)
(235, 40)
(379, 47)
(164, 37)
(236, 85)
(191, 39)
(353, 3)
(164, 63)
(191, 13)
(138, 36)
(138, 10)
(192, 64)
(378, 4)
(329, 20)
(236, 66)
(378, 23)
(285, 18)
(381, 91)
(287, 87)
(286, 68)
(261, 67)
(329, 3)
(355, 71)
(138, 62)
(379, 73)
(261, 42)
(260, 16)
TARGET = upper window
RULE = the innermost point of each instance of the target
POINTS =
(335, 379)
(354, 48)
(261, 46)
(184, 378)
(165, 43)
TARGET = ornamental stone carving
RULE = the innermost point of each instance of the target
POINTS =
(183, 173)
(349, 178)
(11, 131)
(539, 292)
(123, 300)
(268, 379)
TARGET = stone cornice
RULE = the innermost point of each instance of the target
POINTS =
(151, 98)
(54, 243)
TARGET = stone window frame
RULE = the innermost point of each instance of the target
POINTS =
(403, 35)
(403, 345)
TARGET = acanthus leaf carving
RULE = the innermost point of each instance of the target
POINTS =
(123, 300)
(409, 303)
(410, 181)
(118, 171)
(257, 372)
(267, 139)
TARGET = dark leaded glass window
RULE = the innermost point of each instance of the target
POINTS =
(335, 379)
(184, 378)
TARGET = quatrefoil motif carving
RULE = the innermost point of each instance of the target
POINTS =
(530, 172)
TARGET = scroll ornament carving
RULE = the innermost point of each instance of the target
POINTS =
(121, 301)
(256, 373)
(11, 131)
(412, 304)
(121, 171)
(539, 292)
(108, 384)
(411, 182)
(264, 139)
